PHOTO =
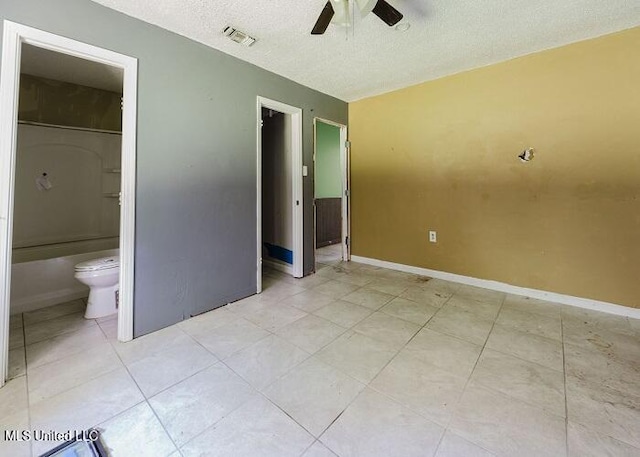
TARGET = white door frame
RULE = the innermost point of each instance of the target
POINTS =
(296, 177)
(344, 167)
(14, 36)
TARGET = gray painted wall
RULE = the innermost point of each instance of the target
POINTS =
(196, 196)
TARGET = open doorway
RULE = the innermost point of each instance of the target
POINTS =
(331, 192)
(67, 182)
(279, 189)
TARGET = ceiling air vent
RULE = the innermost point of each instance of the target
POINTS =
(238, 36)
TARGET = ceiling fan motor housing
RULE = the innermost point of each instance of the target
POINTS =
(342, 15)
(337, 12)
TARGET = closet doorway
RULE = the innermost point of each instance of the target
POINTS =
(279, 200)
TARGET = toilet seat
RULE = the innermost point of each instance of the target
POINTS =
(103, 263)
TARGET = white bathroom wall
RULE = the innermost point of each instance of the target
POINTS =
(42, 283)
(82, 204)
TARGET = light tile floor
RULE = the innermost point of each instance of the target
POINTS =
(351, 361)
(328, 254)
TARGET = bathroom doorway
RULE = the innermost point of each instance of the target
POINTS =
(279, 189)
(110, 226)
(331, 192)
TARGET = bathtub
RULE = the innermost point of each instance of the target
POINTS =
(40, 283)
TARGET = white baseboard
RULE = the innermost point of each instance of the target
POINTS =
(49, 299)
(285, 268)
(570, 300)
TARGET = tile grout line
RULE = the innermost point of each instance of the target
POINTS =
(482, 349)
(564, 376)
(446, 428)
(219, 420)
(254, 393)
(66, 314)
(264, 396)
(444, 432)
(316, 440)
(475, 365)
(517, 356)
(109, 418)
(69, 356)
(525, 360)
(368, 385)
(256, 390)
(26, 381)
(59, 334)
(144, 396)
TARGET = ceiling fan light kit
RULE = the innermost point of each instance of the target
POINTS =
(366, 6)
(337, 12)
(341, 15)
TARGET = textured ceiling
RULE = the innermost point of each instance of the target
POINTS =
(446, 36)
(62, 67)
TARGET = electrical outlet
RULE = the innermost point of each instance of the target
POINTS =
(433, 236)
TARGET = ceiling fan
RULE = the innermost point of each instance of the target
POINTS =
(337, 12)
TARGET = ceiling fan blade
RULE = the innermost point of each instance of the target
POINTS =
(323, 20)
(387, 13)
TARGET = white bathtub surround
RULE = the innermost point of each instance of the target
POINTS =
(50, 251)
(83, 168)
(43, 283)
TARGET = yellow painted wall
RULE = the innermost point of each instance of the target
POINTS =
(442, 155)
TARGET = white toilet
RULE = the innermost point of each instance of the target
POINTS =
(102, 276)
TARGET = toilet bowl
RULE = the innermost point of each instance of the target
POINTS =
(102, 276)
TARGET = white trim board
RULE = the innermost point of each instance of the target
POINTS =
(570, 300)
(284, 268)
(14, 35)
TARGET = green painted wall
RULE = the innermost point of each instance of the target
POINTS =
(328, 176)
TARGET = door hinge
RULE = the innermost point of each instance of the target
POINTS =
(347, 193)
(261, 123)
(346, 240)
(347, 144)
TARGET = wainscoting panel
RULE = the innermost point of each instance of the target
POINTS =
(328, 221)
